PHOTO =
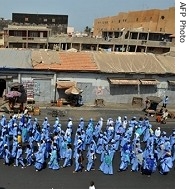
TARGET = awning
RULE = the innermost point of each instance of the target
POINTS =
(149, 81)
(65, 84)
(73, 90)
(155, 99)
(171, 82)
(124, 81)
(15, 84)
(6, 77)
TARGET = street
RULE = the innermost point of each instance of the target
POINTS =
(17, 178)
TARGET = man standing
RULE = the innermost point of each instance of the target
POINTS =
(165, 101)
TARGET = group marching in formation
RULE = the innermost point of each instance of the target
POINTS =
(24, 142)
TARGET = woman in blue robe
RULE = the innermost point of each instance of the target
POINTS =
(148, 151)
(166, 164)
(147, 133)
(35, 124)
(108, 167)
(173, 152)
(31, 140)
(149, 165)
(53, 162)
(136, 160)
(110, 132)
(91, 158)
(97, 130)
(40, 160)
(19, 158)
(125, 160)
(15, 130)
(89, 132)
(24, 133)
(117, 139)
(3, 121)
(78, 162)
(62, 148)
(99, 148)
(37, 136)
(139, 129)
(81, 123)
(14, 148)
(7, 155)
(83, 137)
(29, 153)
(68, 156)
(92, 147)
(1, 147)
(78, 147)
(45, 123)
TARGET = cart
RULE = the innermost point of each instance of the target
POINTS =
(16, 97)
(154, 101)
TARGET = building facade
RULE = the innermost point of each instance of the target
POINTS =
(57, 23)
(1, 39)
(26, 37)
(153, 20)
(40, 37)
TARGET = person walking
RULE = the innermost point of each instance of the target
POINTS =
(19, 158)
(53, 162)
(92, 186)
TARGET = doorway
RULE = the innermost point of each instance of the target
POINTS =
(2, 87)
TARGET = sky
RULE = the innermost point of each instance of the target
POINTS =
(81, 13)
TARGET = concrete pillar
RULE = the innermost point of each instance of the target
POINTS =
(97, 47)
(137, 42)
(146, 42)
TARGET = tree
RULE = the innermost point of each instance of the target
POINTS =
(87, 30)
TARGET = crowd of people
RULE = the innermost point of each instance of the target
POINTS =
(25, 142)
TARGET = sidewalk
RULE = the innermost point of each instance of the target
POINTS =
(107, 106)
(91, 106)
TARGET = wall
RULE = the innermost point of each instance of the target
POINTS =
(1, 39)
(97, 86)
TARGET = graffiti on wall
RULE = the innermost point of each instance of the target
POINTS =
(100, 91)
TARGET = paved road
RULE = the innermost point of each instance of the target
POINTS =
(17, 178)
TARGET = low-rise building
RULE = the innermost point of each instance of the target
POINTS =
(114, 77)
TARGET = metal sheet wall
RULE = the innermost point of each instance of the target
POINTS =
(43, 91)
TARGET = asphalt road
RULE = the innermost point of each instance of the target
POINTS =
(17, 178)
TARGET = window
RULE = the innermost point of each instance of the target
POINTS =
(53, 20)
(137, 19)
(162, 17)
(33, 34)
(119, 21)
(18, 33)
(26, 19)
(160, 29)
(45, 19)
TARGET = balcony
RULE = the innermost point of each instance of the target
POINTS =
(13, 39)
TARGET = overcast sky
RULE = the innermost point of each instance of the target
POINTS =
(81, 13)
